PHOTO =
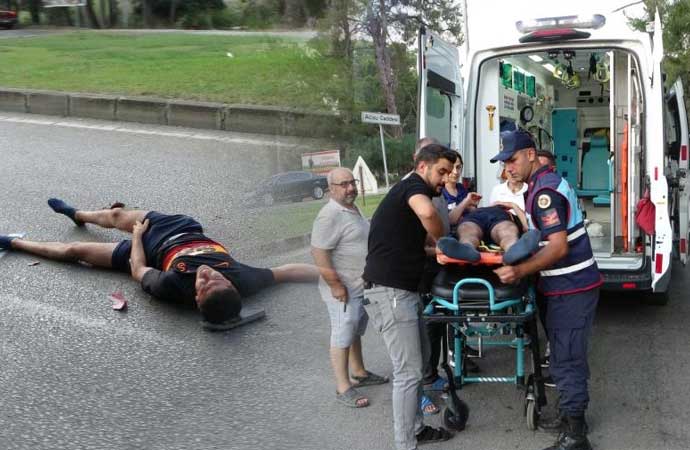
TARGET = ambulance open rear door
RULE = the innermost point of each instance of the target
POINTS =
(678, 97)
(659, 191)
(441, 92)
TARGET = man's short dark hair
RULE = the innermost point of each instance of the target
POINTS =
(431, 153)
(221, 305)
(548, 155)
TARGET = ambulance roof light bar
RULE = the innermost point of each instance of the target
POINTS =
(594, 22)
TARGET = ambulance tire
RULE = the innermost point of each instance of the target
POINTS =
(656, 298)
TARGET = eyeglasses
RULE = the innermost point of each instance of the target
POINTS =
(345, 184)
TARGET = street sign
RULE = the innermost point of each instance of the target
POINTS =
(321, 162)
(380, 118)
(60, 3)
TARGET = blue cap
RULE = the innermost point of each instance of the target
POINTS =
(511, 142)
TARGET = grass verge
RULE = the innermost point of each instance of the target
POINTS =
(296, 219)
(260, 70)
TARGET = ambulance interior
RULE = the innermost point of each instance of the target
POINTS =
(585, 106)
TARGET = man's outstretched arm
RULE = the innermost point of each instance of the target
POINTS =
(296, 273)
(138, 257)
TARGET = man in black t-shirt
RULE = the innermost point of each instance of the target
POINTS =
(171, 258)
(393, 271)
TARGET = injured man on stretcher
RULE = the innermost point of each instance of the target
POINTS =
(503, 224)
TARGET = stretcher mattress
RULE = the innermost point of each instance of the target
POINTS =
(446, 280)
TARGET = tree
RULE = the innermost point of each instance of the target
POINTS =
(92, 14)
(674, 17)
(172, 17)
(388, 22)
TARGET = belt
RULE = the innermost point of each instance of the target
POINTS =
(567, 270)
(171, 238)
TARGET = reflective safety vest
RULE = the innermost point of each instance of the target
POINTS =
(578, 270)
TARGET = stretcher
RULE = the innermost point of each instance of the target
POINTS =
(478, 309)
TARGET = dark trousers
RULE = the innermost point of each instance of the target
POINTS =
(434, 330)
(569, 320)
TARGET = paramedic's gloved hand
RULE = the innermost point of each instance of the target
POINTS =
(509, 274)
(339, 292)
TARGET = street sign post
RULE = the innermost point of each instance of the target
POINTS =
(381, 119)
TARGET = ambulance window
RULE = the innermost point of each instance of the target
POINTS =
(438, 108)
(672, 127)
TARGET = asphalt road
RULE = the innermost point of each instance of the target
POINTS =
(74, 374)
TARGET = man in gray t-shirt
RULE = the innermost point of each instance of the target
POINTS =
(339, 246)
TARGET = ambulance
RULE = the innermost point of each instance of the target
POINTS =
(591, 90)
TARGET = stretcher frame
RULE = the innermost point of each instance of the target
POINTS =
(516, 316)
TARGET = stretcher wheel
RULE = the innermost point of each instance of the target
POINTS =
(456, 420)
(532, 415)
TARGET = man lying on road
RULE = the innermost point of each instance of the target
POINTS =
(171, 258)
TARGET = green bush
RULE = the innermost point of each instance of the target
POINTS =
(398, 155)
(260, 13)
(195, 20)
(226, 18)
(24, 18)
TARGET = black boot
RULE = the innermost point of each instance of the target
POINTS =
(555, 424)
(575, 436)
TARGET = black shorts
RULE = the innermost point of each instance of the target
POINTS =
(161, 227)
(487, 218)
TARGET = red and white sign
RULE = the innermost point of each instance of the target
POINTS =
(59, 3)
(321, 162)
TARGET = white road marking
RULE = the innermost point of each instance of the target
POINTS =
(174, 134)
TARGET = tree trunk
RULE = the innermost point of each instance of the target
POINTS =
(173, 11)
(379, 34)
(68, 16)
(35, 10)
(113, 13)
(294, 12)
(104, 14)
(146, 12)
(93, 19)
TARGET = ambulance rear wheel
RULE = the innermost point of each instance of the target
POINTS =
(656, 298)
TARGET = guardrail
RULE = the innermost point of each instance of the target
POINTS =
(216, 116)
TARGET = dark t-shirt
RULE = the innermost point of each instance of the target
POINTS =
(396, 238)
(175, 281)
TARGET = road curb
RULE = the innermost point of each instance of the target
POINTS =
(270, 120)
(285, 245)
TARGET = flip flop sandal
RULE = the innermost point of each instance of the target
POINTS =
(429, 435)
(439, 384)
(425, 405)
(371, 379)
(352, 398)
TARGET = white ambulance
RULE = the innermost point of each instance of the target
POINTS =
(590, 89)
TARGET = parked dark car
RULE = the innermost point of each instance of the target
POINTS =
(291, 186)
(8, 19)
